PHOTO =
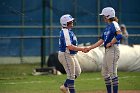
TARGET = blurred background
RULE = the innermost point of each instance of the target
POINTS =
(30, 28)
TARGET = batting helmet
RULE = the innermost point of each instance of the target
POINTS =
(109, 12)
(65, 18)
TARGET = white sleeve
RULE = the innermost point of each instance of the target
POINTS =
(116, 26)
(67, 37)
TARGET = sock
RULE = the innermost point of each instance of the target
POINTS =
(115, 84)
(66, 83)
(108, 87)
(108, 84)
(115, 89)
(71, 86)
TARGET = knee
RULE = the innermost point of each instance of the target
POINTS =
(113, 75)
(78, 73)
(71, 77)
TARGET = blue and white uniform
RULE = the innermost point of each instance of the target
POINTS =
(110, 32)
(112, 53)
(67, 37)
(110, 60)
(68, 57)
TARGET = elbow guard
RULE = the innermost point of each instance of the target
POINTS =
(119, 37)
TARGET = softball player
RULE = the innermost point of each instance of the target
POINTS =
(67, 51)
(111, 39)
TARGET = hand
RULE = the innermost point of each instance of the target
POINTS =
(109, 45)
(86, 49)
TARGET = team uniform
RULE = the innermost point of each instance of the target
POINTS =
(112, 53)
(110, 60)
(67, 58)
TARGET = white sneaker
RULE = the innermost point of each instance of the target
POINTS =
(64, 89)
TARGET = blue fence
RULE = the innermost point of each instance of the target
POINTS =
(20, 18)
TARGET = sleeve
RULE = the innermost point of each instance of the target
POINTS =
(117, 28)
(67, 37)
(116, 25)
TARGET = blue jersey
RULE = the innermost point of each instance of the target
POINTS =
(67, 37)
(110, 32)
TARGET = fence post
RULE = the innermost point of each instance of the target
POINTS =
(22, 31)
(43, 41)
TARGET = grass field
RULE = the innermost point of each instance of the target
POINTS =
(19, 79)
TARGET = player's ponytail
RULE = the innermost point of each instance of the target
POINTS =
(114, 19)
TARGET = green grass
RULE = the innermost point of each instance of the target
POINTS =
(19, 79)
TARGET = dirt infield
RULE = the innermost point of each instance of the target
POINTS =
(121, 91)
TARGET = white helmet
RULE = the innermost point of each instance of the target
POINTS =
(64, 19)
(109, 12)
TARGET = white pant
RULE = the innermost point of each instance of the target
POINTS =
(110, 62)
(70, 64)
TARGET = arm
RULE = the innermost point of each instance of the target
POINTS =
(75, 48)
(114, 40)
(96, 44)
(68, 41)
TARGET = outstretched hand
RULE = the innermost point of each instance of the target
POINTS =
(86, 49)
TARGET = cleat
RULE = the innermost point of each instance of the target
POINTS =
(64, 89)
